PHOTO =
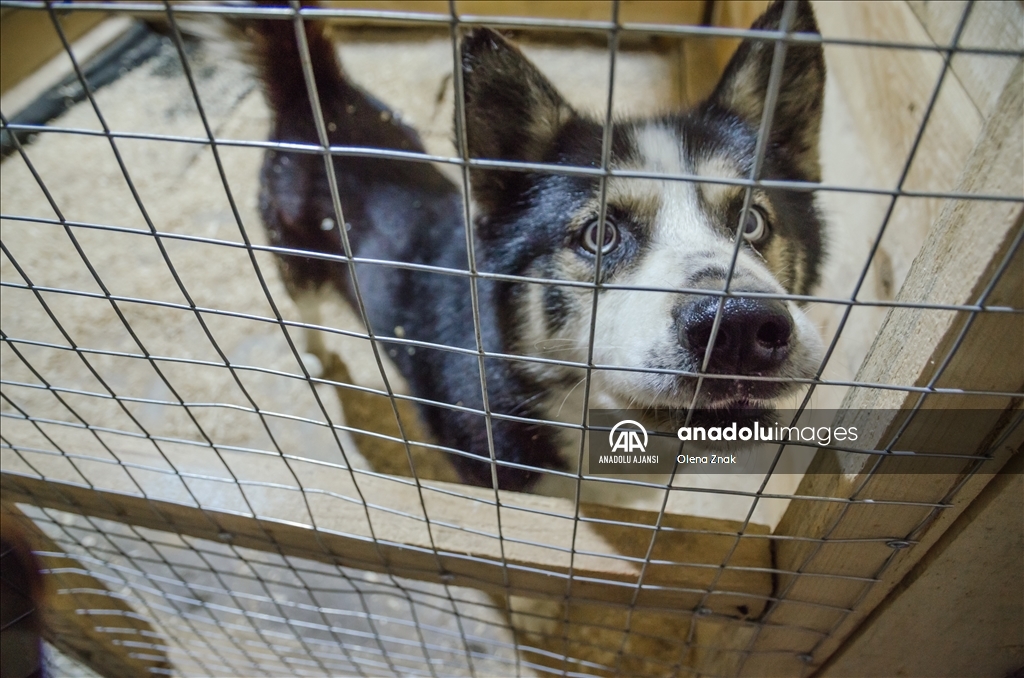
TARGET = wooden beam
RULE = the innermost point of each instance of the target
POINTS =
(28, 40)
(468, 552)
(965, 595)
(82, 617)
(887, 93)
(963, 252)
(639, 11)
(998, 25)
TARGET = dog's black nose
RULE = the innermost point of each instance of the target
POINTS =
(753, 335)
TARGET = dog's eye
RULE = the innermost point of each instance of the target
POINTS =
(611, 236)
(755, 228)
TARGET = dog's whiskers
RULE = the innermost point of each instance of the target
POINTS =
(569, 393)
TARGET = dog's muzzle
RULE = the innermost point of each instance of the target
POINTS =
(754, 338)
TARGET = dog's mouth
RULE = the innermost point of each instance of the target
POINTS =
(745, 371)
(742, 412)
(737, 394)
(720, 402)
(720, 395)
(742, 409)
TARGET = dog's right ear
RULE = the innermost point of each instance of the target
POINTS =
(743, 88)
(512, 111)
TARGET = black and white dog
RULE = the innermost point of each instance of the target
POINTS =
(659, 233)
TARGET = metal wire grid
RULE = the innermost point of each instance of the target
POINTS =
(390, 654)
(232, 609)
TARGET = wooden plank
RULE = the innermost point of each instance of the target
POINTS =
(739, 14)
(82, 617)
(31, 87)
(957, 262)
(28, 40)
(704, 58)
(887, 93)
(465, 535)
(640, 11)
(997, 25)
(697, 75)
(973, 573)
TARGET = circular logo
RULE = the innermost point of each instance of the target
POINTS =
(612, 439)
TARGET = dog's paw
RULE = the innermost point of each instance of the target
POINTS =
(312, 363)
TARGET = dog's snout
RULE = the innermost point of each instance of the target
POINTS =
(753, 336)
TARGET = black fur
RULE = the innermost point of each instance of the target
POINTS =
(409, 212)
(399, 211)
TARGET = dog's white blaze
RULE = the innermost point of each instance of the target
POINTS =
(633, 325)
(659, 150)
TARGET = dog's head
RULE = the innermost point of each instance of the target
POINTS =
(670, 238)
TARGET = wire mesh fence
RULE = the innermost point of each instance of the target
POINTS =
(214, 497)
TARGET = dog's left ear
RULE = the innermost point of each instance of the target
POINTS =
(512, 111)
(796, 123)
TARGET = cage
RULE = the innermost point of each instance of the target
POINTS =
(204, 498)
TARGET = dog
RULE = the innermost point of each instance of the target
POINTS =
(659, 234)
